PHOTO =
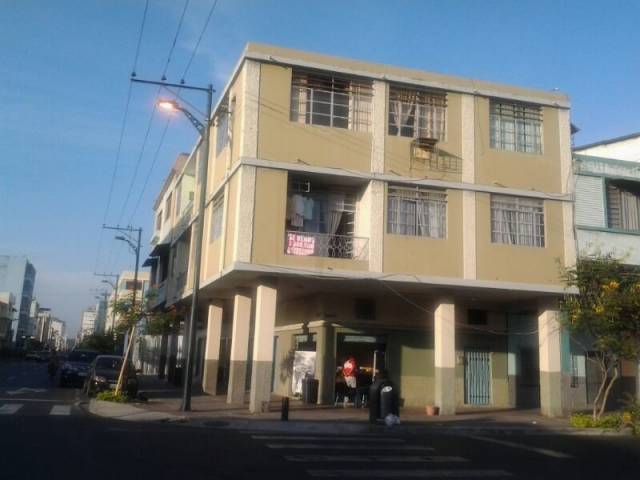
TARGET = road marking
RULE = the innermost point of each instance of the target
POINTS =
(409, 473)
(375, 458)
(26, 400)
(346, 446)
(26, 390)
(10, 408)
(60, 410)
(541, 451)
(331, 439)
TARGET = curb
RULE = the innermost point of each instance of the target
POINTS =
(126, 412)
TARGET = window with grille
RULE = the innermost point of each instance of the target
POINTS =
(417, 211)
(331, 100)
(222, 126)
(167, 208)
(623, 205)
(417, 113)
(516, 127)
(517, 221)
(216, 217)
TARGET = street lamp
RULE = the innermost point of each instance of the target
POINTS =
(172, 106)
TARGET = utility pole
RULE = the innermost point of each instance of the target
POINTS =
(198, 224)
(114, 285)
(135, 246)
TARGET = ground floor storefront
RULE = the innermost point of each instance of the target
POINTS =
(453, 348)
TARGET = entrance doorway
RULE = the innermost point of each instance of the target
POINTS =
(477, 377)
(368, 351)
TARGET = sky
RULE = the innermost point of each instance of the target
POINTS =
(64, 84)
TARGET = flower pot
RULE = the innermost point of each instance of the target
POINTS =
(432, 410)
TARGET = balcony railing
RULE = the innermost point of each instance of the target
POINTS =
(158, 294)
(184, 220)
(308, 244)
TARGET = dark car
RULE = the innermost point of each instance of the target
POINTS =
(76, 367)
(103, 375)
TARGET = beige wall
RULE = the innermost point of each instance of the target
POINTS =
(514, 263)
(229, 228)
(282, 140)
(513, 169)
(428, 256)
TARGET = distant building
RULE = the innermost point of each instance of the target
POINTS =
(7, 301)
(18, 276)
(57, 334)
(123, 292)
(88, 322)
(43, 323)
(101, 315)
(33, 317)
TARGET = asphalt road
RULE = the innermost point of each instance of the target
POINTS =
(45, 435)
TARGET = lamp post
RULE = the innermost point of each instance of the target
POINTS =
(198, 225)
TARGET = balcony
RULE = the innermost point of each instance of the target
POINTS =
(184, 220)
(308, 244)
(158, 295)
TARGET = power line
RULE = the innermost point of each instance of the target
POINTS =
(175, 39)
(144, 18)
(195, 49)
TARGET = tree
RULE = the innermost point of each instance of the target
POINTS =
(102, 342)
(131, 315)
(606, 311)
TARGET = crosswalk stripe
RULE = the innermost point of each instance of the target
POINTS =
(345, 447)
(60, 410)
(10, 408)
(376, 458)
(342, 473)
(328, 439)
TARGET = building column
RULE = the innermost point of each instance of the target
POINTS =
(549, 339)
(239, 348)
(261, 372)
(445, 356)
(325, 364)
(212, 350)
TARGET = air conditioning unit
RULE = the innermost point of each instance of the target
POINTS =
(422, 148)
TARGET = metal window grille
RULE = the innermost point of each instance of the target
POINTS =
(216, 217)
(417, 113)
(516, 127)
(623, 205)
(222, 127)
(331, 100)
(517, 221)
(417, 211)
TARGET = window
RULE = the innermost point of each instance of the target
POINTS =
(167, 208)
(330, 100)
(417, 211)
(417, 113)
(516, 127)
(517, 221)
(476, 317)
(159, 220)
(216, 217)
(623, 205)
(129, 284)
(222, 127)
(179, 197)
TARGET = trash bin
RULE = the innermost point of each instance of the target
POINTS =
(309, 390)
(383, 400)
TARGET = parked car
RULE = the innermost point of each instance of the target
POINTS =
(103, 375)
(75, 369)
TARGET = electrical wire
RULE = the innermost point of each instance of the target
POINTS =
(195, 49)
(135, 59)
(175, 39)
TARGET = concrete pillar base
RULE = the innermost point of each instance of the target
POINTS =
(237, 382)
(210, 377)
(260, 387)
(551, 394)
(446, 394)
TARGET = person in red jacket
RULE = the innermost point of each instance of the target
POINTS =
(349, 370)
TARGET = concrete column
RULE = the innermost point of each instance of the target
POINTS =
(549, 339)
(212, 350)
(445, 356)
(325, 364)
(266, 299)
(239, 348)
(378, 126)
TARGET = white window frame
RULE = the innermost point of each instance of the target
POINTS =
(416, 113)
(217, 216)
(348, 101)
(517, 221)
(516, 127)
(407, 208)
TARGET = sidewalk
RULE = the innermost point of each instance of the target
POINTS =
(164, 405)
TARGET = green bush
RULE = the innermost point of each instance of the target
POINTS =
(110, 396)
(583, 420)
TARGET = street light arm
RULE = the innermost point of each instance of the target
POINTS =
(194, 121)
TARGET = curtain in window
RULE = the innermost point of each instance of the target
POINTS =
(430, 219)
(630, 210)
(509, 227)
(402, 108)
(336, 208)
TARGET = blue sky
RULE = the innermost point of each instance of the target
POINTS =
(64, 69)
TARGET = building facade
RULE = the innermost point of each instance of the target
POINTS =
(87, 323)
(411, 220)
(7, 302)
(123, 292)
(18, 276)
(607, 218)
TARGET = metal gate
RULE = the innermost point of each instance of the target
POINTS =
(477, 377)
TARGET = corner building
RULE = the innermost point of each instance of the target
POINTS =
(412, 220)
